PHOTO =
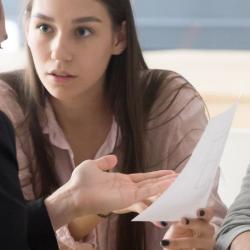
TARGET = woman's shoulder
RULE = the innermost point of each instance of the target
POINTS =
(9, 101)
(167, 82)
(175, 120)
(169, 93)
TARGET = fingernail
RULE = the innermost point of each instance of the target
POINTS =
(164, 223)
(202, 213)
(165, 243)
(185, 221)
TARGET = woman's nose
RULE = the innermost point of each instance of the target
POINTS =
(60, 49)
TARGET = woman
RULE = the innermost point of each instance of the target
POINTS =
(88, 93)
(61, 208)
(75, 198)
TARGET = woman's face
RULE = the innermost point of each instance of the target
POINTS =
(71, 43)
(2, 24)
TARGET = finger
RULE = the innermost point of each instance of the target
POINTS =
(149, 200)
(201, 227)
(137, 207)
(106, 162)
(177, 230)
(188, 243)
(169, 182)
(169, 178)
(152, 199)
(205, 213)
(149, 190)
(161, 224)
(155, 174)
(156, 188)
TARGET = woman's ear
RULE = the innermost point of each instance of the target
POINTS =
(120, 41)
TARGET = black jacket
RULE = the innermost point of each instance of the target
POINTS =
(23, 225)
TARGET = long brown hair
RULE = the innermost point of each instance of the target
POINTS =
(124, 93)
(131, 90)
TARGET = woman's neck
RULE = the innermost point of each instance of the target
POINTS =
(84, 111)
(85, 125)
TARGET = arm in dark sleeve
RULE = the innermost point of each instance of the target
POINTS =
(40, 231)
(13, 212)
(23, 226)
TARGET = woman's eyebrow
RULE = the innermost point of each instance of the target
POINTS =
(44, 17)
(87, 19)
(77, 20)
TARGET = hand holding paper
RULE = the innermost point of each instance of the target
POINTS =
(192, 188)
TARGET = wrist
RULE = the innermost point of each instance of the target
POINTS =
(59, 207)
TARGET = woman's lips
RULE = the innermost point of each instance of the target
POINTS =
(61, 77)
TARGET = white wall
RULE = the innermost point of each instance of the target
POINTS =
(234, 164)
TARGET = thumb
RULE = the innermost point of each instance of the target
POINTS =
(106, 162)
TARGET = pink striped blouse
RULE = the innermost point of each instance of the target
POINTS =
(169, 145)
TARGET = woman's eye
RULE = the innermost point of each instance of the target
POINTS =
(44, 28)
(83, 32)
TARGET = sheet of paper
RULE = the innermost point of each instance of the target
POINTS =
(192, 188)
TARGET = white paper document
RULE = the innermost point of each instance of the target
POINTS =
(192, 188)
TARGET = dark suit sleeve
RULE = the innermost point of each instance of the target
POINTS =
(13, 212)
(40, 231)
(23, 225)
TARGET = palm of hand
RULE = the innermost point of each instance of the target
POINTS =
(137, 207)
(95, 191)
(107, 191)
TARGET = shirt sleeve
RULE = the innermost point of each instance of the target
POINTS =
(237, 220)
(67, 242)
(177, 121)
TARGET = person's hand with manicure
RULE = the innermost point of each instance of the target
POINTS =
(191, 233)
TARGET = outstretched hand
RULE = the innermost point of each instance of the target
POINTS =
(169, 177)
(95, 191)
